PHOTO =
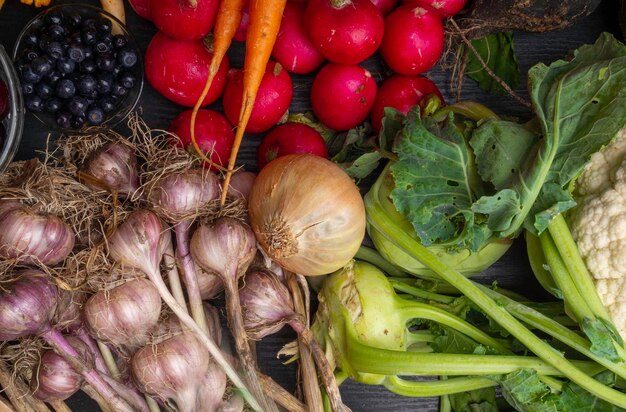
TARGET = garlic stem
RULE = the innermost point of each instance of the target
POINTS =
(111, 365)
(173, 277)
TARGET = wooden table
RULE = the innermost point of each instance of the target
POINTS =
(512, 271)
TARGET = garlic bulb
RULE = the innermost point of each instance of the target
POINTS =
(307, 214)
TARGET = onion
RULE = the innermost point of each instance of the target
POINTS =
(54, 379)
(27, 305)
(116, 166)
(32, 238)
(241, 184)
(307, 214)
(124, 315)
(173, 370)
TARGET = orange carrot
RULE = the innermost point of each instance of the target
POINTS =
(265, 18)
(228, 19)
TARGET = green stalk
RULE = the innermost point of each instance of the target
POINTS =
(370, 360)
(537, 259)
(500, 315)
(574, 262)
(422, 389)
(370, 255)
(420, 293)
(415, 310)
(444, 403)
(554, 329)
(572, 296)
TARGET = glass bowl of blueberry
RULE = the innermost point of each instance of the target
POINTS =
(79, 68)
(11, 110)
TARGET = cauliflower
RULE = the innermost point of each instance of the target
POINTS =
(598, 225)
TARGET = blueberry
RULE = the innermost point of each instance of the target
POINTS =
(127, 80)
(29, 75)
(127, 57)
(65, 89)
(103, 26)
(75, 38)
(53, 18)
(89, 36)
(86, 84)
(53, 105)
(116, 70)
(28, 88)
(78, 105)
(102, 46)
(88, 52)
(66, 66)
(87, 66)
(75, 52)
(44, 41)
(119, 41)
(105, 62)
(91, 96)
(78, 122)
(56, 31)
(95, 115)
(55, 50)
(118, 90)
(64, 120)
(44, 90)
(104, 83)
(34, 103)
(30, 54)
(88, 24)
(107, 104)
(41, 66)
(73, 20)
(53, 77)
(31, 39)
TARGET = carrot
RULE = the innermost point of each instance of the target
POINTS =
(228, 19)
(265, 18)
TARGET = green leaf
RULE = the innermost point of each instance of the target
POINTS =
(480, 400)
(602, 338)
(524, 391)
(580, 108)
(449, 340)
(435, 181)
(498, 52)
(575, 398)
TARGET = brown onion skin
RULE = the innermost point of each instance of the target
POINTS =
(307, 214)
(124, 315)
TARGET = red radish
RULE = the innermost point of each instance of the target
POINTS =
(272, 100)
(413, 39)
(385, 6)
(213, 133)
(344, 31)
(402, 93)
(178, 70)
(184, 19)
(242, 31)
(342, 95)
(293, 49)
(444, 8)
(290, 138)
(141, 7)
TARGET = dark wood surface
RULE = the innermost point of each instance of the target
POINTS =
(512, 271)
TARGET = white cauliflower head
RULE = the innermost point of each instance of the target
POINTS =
(598, 225)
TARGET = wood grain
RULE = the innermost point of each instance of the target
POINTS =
(512, 271)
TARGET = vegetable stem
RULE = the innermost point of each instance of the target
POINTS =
(372, 256)
(500, 315)
(190, 277)
(173, 278)
(537, 259)
(574, 262)
(421, 389)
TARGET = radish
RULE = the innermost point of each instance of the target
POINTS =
(141, 7)
(385, 6)
(242, 30)
(214, 134)
(344, 31)
(444, 8)
(402, 93)
(272, 100)
(342, 95)
(413, 39)
(290, 138)
(178, 70)
(293, 49)
(184, 19)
